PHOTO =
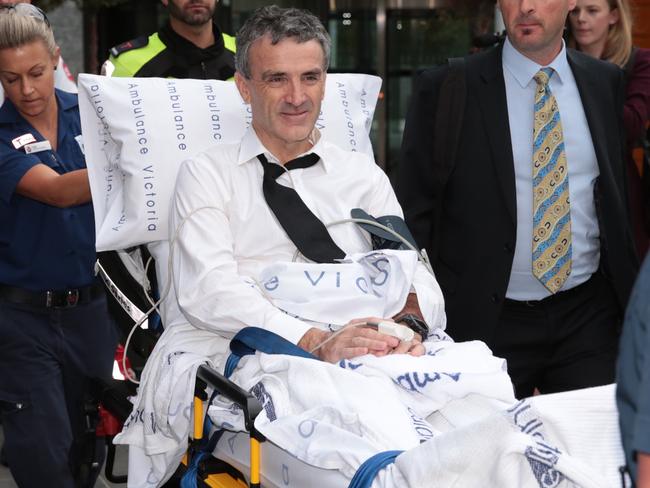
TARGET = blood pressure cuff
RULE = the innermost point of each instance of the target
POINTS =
(382, 239)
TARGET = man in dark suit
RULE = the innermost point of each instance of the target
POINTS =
(528, 234)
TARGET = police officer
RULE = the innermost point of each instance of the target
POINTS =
(190, 45)
(55, 331)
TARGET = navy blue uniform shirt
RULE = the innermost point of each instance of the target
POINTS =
(43, 247)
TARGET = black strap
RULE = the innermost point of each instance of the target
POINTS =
(304, 229)
(448, 124)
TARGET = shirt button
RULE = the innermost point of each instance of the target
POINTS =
(495, 298)
(507, 248)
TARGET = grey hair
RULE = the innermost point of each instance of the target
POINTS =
(17, 30)
(279, 23)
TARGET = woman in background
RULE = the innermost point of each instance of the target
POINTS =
(55, 331)
(603, 29)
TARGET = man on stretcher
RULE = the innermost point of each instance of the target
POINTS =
(275, 197)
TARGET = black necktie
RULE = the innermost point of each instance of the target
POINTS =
(304, 229)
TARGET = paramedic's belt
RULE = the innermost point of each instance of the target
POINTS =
(51, 298)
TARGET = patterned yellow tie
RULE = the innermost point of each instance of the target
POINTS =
(551, 212)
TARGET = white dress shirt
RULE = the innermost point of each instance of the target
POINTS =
(229, 234)
(518, 72)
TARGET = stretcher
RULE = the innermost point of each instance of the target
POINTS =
(228, 459)
(237, 459)
(233, 458)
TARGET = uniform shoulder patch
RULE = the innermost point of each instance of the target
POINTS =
(136, 43)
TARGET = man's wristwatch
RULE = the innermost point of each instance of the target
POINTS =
(415, 323)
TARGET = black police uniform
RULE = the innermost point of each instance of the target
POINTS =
(168, 55)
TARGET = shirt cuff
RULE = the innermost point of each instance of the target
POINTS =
(291, 328)
(430, 298)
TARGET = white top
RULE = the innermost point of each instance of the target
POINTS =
(518, 72)
(222, 247)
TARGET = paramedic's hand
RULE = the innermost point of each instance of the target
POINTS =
(350, 343)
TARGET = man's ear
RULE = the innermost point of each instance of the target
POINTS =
(165, 2)
(242, 86)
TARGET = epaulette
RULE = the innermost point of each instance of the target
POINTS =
(136, 43)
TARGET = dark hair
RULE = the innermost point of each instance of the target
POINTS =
(279, 23)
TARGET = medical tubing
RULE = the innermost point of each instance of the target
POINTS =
(162, 295)
(422, 256)
(337, 332)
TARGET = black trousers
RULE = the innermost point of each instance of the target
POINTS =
(564, 342)
(47, 356)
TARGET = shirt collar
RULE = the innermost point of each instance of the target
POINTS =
(9, 114)
(523, 69)
(251, 147)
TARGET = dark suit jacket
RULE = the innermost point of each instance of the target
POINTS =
(472, 248)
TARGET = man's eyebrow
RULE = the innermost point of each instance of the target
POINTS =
(271, 74)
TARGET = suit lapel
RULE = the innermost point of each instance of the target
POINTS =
(591, 103)
(491, 93)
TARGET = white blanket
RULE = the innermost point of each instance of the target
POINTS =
(335, 416)
(158, 428)
(439, 407)
(452, 411)
(373, 284)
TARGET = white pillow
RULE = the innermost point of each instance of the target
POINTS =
(137, 131)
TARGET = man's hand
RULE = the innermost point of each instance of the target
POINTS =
(357, 341)
(413, 347)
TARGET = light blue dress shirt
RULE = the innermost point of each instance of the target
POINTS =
(518, 72)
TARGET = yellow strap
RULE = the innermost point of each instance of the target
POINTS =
(198, 418)
(255, 461)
